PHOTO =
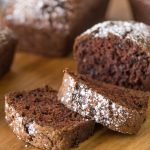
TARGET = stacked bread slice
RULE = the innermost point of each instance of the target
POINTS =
(117, 108)
(38, 118)
(59, 120)
(55, 120)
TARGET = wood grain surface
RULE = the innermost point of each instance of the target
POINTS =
(30, 71)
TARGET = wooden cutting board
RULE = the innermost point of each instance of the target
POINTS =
(29, 71)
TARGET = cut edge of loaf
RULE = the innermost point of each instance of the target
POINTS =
(115, 52)
(46, 137)
(102, 110)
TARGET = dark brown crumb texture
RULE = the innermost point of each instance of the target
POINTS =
(40, 119)
(116, 52)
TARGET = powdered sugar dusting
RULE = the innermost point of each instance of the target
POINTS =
(41, 13)
(138, 32)
(87, 102)
(4, 33)
(16, 124)
(19, 124)
(31, 128)
(68, 89)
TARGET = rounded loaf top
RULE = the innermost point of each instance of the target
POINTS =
(135, 31)
(39, 12)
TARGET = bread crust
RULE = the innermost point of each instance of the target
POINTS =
(96, 103)
(8, 43)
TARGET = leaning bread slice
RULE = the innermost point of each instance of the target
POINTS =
(117, 108)
(37, 117)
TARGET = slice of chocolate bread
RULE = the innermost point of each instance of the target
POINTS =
(7, 48)
(49, 27)
(117, 108)
(116, 52)
(40, 119)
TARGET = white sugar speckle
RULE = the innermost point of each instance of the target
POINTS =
(4, 34)
(138, 32)
(42, 13)
(87, 102)
(82, 92)
(31, 128)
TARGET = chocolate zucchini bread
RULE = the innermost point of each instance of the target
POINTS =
(38, 118)
(117, 108)
(8, 43)
(49, 27)
(116, 52)
(141, 10)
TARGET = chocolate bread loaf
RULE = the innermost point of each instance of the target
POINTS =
(38, 118)
(49, 27)
(117, 108)
(8, 43)
(141, 10)
(116, 52)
